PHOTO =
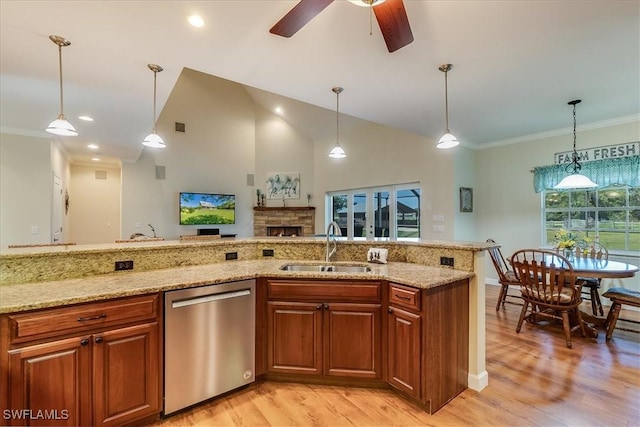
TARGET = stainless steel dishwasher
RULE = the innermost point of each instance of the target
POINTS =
(209, 345)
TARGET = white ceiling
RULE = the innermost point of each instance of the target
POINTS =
(516, 65)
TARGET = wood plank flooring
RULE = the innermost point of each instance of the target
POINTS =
(534, 380)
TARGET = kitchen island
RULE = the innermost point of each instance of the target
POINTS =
(87, 274)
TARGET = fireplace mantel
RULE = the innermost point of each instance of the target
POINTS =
(284, 208)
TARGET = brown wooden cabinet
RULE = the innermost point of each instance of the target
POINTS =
(404, 345)
(90, 364)
(328, 328)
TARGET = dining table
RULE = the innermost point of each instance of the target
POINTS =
(599, 269)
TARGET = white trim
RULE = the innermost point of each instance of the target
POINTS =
(558, 132)
(478, 382)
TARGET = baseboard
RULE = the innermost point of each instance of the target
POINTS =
(478, 382)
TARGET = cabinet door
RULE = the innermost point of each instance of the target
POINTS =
(404, 351)
(294, 338)
(126, 369)
(51, 383)
(353, 340)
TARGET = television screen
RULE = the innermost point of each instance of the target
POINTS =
(206, 208)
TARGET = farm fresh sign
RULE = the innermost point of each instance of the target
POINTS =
(599, 153)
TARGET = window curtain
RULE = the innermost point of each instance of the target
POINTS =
(606, 172)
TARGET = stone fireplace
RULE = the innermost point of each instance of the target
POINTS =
(284, 221)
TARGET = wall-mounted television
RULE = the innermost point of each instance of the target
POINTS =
(207, 208)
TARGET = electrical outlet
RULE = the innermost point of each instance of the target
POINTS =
(231, 255)
(124, 265)
(267, 252)
(446, 261)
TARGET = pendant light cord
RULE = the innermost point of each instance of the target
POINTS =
(337, 117)
(61, 91)
(574, 163)
(155, 76)
(446, 100)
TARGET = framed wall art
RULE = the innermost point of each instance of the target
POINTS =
(466, 199)
(283, 185)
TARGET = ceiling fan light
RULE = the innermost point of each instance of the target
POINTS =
(575, 180)
(367, 3)
(61, 127)
(153, 140)
(337, 153)
(447, 141)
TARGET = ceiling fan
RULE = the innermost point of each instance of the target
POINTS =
(390, 14)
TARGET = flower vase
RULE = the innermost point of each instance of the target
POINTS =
(568, 252)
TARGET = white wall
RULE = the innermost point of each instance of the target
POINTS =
(281, 148)
(465, 176)
(379, 155)
(94, 204)
(25, 193)
(214, 156)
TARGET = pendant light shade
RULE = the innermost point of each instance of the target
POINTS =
(575, 180)
(337, 152)
(447, 140)
(153, 140)
(61, 125)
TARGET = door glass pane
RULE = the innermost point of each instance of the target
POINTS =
(359, 216)
(381, 213)
(339, 212)
(408, 214)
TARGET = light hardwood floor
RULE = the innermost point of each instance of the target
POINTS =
(534, 380)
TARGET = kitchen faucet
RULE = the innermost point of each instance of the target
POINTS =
(337, 232)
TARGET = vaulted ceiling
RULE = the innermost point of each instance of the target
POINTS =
(516, 64)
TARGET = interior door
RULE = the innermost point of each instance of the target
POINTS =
(57, 206)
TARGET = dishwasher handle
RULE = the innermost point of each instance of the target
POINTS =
(210, 298)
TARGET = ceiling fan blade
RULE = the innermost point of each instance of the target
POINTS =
(394, 24)
(298, 17)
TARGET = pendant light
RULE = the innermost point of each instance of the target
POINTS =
(447, 140)
(153, 140)
(337, 152)
(575, 180)
(61, 126)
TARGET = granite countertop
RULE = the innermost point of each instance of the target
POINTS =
(29, 296)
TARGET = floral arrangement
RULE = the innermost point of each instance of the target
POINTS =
(569, 239)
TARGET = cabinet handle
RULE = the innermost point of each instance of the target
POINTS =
(84, 341)
(390, 310)
(325, 306)
(99, 316)
(99, 340)
(401, 297)
(319, 307)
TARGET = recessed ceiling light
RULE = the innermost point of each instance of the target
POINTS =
(196, 21)
(86, 118)
(95, 159)
(279, 110)
(92, 146)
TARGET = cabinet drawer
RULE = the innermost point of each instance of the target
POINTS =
(80, 318)
(404, 296)
(343, 290)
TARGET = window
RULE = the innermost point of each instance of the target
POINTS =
(610, 214)
(382, 213)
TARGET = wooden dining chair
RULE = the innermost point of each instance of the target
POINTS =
(590, 285)
(506, 276)
(549, 289)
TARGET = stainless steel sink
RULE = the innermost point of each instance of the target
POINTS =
(327, 268)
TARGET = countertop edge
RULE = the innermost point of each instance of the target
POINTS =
(16, 298)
